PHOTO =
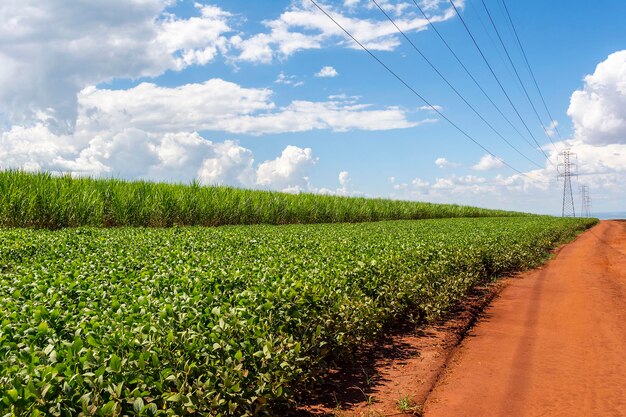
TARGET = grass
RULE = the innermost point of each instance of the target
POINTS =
(226, 321)
(42, 200)
(406, 405)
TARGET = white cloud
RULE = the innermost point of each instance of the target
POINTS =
(300, 116)
(51, 50)
(229, 163)
(431, 109)
(303, 27)
(344, 188)
(598, 111)
(420, 186)
(150, 132)
(224, 106)
(35, 148)
(288, 80)
(344, 178)
(444, 163)
(551, 129)
(137, 154)
(514, 192)
(396, 8)
(488, 162)
(212, 105)
(327, 72)
(456, 183)
(198, 39)
(288, 171)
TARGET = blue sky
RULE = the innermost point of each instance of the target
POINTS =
(229, 92)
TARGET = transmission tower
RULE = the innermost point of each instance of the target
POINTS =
(567, 169)
(585, 201)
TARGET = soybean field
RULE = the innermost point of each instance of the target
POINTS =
(228, 321)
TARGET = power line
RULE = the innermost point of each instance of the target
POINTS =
(471, 5)
(468, 72)
(498, 81)
(530, 69)
(452, 87)
(435, 109)
(517, 74)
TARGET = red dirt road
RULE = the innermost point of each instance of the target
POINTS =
(552, 344)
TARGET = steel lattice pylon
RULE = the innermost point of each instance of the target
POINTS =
(585, 200)
(567, 168)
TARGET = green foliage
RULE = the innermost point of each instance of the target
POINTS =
(47, 201)
(225, 321)
(407, 406)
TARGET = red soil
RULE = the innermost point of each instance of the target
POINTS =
(552, 344)
(405, 364)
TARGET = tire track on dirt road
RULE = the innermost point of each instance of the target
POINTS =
(552, 344)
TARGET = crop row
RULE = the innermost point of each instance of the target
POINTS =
(226, 321)
(46, 201)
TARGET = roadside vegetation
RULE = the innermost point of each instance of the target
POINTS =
(42, 200)
(226, 321)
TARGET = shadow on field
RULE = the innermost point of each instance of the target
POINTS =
(355, 381)
(405, 351)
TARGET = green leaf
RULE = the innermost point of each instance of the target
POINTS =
(92, 341)
(138, 405)
(115, 363)
(109, 408)
(174, 398)
(151, 409)
(13, 394)
(43, 327)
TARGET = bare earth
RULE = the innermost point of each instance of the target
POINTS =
(405, 363)
(552, 344)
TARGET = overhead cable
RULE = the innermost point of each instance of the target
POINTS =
(407, 85)
(452, 87)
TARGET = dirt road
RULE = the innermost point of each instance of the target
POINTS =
(552, 344)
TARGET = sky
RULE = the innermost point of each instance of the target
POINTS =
(274, 95)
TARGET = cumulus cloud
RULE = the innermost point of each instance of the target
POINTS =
(150, 132)
(327, 72)
(344, 178)
(288, 171)
(344, 188)
(488, 162)
(515, 192)
(598, 111)
(138, 154)
(444, 163)
(51, 50)
(35, 148)
(303, 27)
